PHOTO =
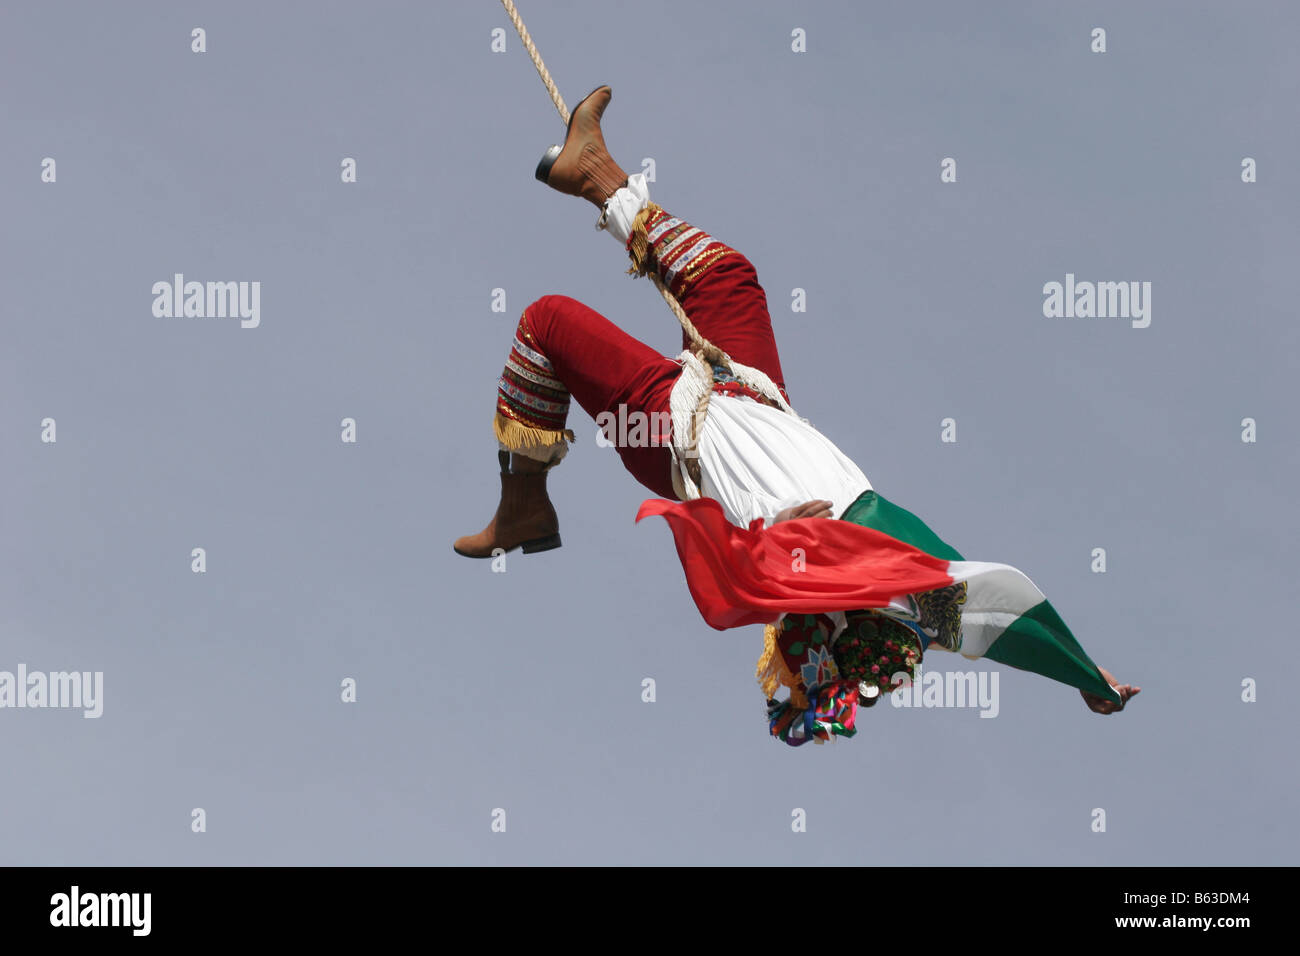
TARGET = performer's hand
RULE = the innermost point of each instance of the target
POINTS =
(1099, 705)
(809, 509)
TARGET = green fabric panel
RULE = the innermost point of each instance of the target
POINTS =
(872, 511)
(1039, 641)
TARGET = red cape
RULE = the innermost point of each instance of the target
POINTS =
(741, 576)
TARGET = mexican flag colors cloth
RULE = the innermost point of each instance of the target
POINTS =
(877, 555)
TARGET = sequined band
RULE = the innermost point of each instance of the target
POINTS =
(658, 231)
(685, 261)
(528, 391)
(682, 252)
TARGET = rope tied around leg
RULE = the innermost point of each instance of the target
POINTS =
(699, 343)
(703, 353)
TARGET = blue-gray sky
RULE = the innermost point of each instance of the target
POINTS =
(522, 690)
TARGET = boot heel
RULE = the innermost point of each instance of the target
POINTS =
(549, 543)
(543, 172)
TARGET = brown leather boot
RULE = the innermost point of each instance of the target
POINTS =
(584, 167)
(525, 517)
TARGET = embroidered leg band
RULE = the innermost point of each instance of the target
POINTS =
(680, 252)
(532, 404)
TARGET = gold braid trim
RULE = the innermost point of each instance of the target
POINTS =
(772, 671)
(516, 435)
(638, 244)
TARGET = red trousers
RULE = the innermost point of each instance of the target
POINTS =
(563, 346)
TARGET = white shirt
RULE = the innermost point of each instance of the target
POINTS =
(756, 460)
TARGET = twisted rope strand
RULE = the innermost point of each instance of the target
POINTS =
(536, 57)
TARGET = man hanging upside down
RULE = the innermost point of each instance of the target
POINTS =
(850, 604)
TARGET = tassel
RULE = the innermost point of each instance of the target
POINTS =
(772, 671)
(516, 435)
(638, 243)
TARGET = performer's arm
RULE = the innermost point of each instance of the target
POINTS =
(809, 509)
(1100, 706)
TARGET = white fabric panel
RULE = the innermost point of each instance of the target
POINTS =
(756, 461)
(996, 594)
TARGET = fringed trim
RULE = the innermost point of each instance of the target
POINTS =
(760, 382)
(539, 443)
(691, 389)
(638, 243)
(688, 404)
(772, 672)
